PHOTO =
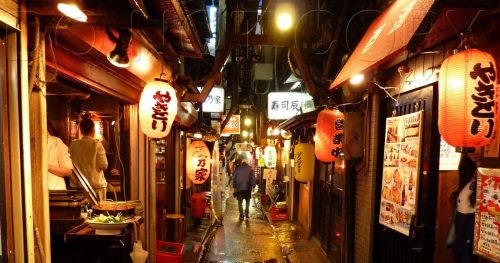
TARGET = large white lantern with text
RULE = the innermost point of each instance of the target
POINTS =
(157, 109)
(270, 156)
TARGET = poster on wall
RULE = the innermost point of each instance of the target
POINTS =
(448, 157)
(487, 227)
(398, 202)
(269, 175)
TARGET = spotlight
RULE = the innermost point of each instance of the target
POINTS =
(119, 56)
(244, 134)
(71, 10)
(198, 135)
(357, 79)
(285, 13)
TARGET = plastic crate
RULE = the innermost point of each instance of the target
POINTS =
(279, 213)
(169, 252)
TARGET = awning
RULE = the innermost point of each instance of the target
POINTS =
(388, 35)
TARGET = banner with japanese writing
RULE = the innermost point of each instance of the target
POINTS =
(400, 174)
(487, 223)
(232, 126)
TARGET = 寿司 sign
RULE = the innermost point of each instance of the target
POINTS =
(215, 100)
(232, 126)
(285, 105)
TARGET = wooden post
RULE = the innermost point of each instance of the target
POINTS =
(39, 160)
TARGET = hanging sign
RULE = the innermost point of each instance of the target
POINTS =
(283, 105)
(198, 162)
(487, 223)
(157, 109)
(214, 101)
(270, 156)
(329, 135)
(468, 98)
(398, 203)
(303, 155)
(232, 126)
(269, 175)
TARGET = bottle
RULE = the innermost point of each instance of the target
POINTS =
(403, 196)
(410, 183)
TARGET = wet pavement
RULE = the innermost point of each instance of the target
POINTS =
(249, 240)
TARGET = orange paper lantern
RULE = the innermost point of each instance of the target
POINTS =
(157, 109)
(303, 156)
(467, 98)
(198, 162)
(329, 135)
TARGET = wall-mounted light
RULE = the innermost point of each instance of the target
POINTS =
(72, 10)
(197, 135)
(357, 79)
(118, 56)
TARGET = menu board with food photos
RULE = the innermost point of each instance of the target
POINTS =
(487, 228)
(399, 193)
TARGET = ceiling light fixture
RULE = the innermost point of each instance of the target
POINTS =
(285, 13)
(357, 79)
(118, 56)
(71, 10)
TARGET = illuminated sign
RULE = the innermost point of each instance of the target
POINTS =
(215, 100)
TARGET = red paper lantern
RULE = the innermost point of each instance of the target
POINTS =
(468, 98)
(198, 162)
(329, 135)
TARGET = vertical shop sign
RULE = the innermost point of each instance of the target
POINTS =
(487, 227)
(398, 203)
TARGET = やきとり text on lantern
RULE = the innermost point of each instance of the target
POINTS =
(468, 97)
(157, 109)
(198, 162)
(329, 135)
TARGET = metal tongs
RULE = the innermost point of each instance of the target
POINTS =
(84, 183)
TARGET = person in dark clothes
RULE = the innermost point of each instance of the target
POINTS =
(243, 183)
(463, 199)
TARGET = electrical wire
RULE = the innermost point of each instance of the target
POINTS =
(260, 18)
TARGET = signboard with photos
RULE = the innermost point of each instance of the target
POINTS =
(487, 222)
(398, 203)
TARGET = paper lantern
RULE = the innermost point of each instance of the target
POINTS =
(157, 109)
(198, 162)
(329, 135)
(303, 155)
(467, 98)
(270, 156)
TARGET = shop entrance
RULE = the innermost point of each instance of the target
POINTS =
(391, 245)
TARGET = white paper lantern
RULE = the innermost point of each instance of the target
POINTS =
(157, 109)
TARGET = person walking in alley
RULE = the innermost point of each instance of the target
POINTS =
(243, 183)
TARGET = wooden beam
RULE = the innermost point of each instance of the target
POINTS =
(93, 76)
(306, 75)
(189, 27)
(209, 84)
(264, 40)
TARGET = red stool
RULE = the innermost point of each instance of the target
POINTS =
(181, 223)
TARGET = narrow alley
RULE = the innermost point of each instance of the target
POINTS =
(249, 240)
